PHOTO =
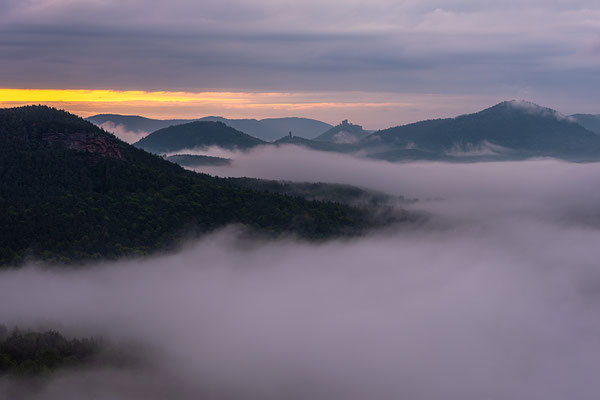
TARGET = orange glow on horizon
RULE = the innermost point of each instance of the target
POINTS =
(115, 96)
(165, 104)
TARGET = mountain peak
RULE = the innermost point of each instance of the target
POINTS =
(196, 134)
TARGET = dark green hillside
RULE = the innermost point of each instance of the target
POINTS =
(509, 129)
(70, 191)
(196, 134)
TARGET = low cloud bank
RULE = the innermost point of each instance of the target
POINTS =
(497, 302)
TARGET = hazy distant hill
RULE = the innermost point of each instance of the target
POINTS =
(508, 130)
(590, 122)
(268, 129)
(271, 129)
(70, 191)
(345, 133)
(196, 134)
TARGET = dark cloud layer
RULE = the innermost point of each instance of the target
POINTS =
(410, 46)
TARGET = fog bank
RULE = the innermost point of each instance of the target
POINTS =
(498, 302)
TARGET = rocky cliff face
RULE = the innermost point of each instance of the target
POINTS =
(104, 146)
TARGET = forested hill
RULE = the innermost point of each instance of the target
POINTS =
(508, 130)
(196, 134)
(70, 191)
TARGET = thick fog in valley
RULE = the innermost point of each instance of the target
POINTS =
(496, 296)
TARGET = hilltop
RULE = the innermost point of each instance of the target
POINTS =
(198, 134)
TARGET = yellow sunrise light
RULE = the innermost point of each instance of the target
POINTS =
(115, 96)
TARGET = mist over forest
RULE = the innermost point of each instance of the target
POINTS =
(299, 200)
(493, 297)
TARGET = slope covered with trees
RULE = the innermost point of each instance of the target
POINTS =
(70, 191)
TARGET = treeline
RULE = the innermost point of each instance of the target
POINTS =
(28, 353)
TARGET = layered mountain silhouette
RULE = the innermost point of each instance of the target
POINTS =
(507, 131)
(268, 129)
(70, 191)
(344, 133)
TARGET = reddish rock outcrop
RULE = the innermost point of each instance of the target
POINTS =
(104, 146)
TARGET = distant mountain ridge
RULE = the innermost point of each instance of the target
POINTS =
(135, 123)
(203, 134)
(270, 129)
(508, 130)
(267, 129)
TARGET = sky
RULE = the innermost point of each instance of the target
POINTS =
(378, 63)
